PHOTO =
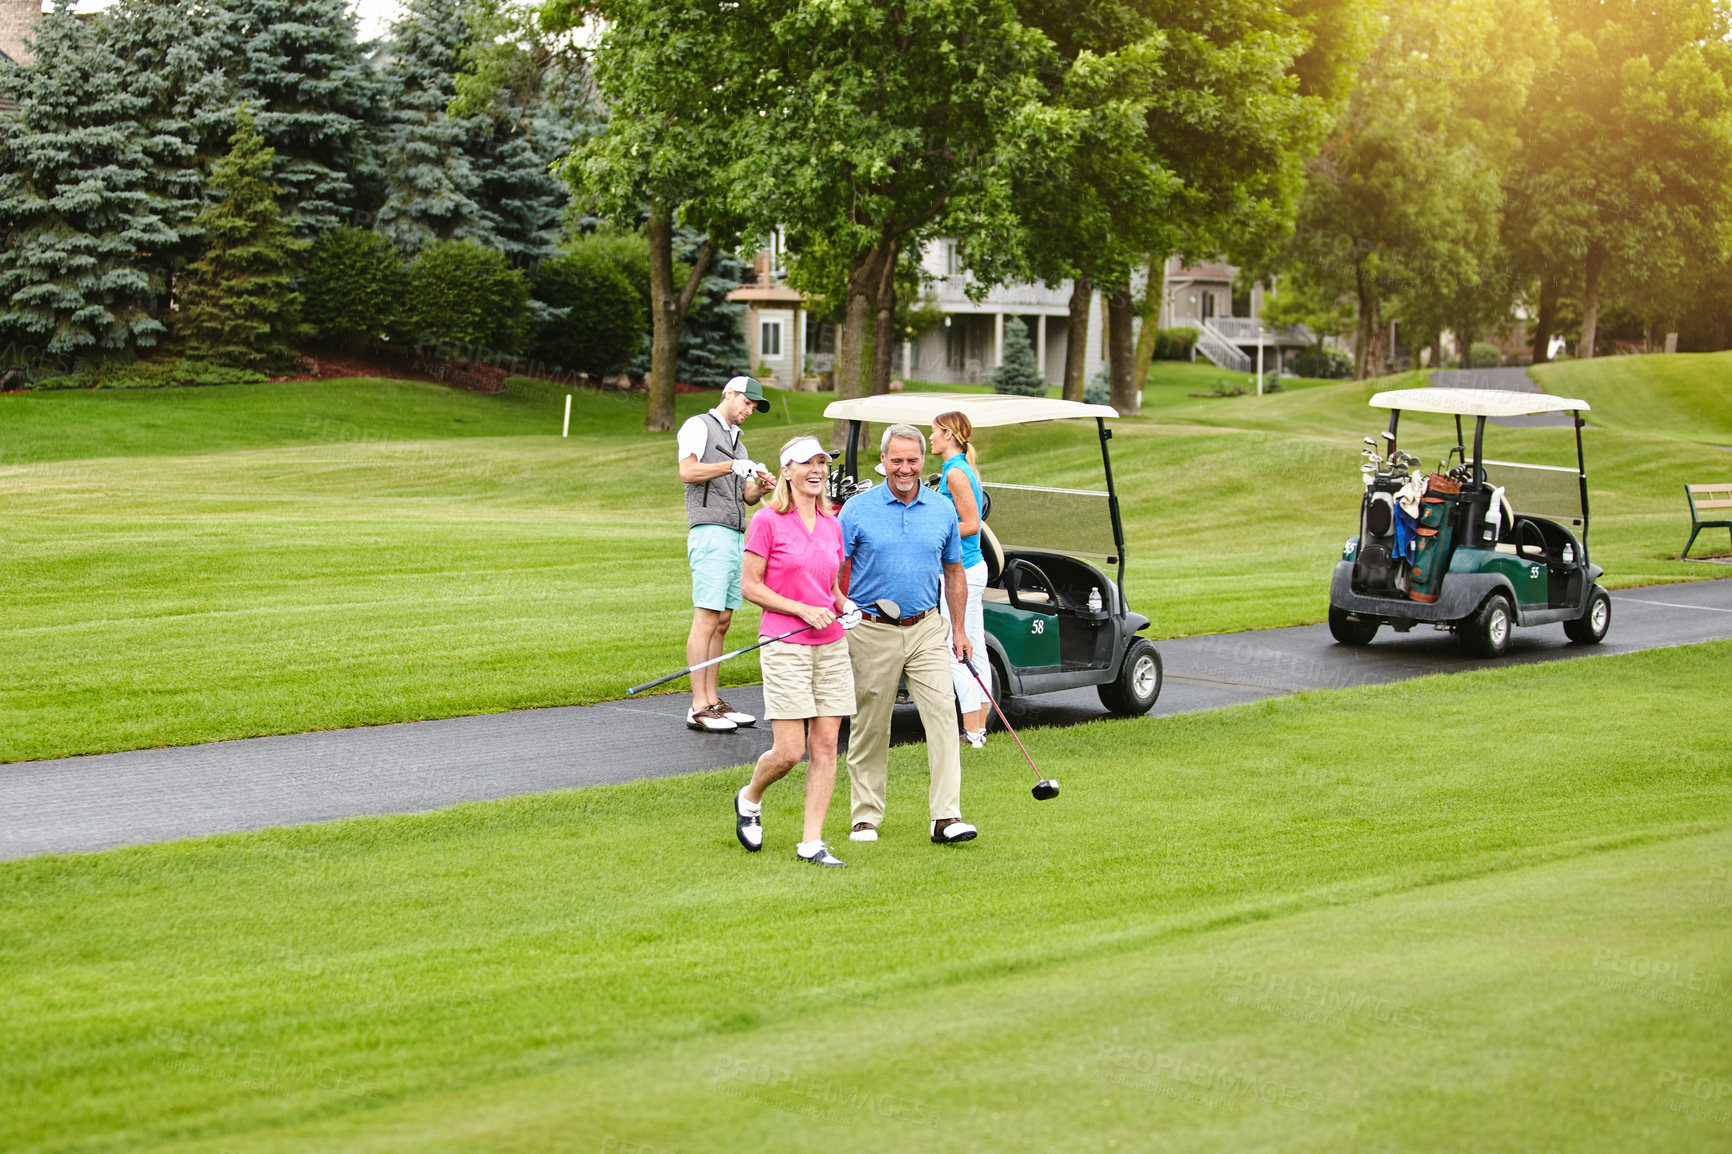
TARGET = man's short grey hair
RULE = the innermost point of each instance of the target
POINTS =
(906, 431)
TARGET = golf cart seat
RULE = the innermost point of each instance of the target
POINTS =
(992, 553)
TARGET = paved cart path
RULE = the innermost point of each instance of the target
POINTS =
(92, 803)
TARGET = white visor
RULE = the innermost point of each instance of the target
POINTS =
(804, 450)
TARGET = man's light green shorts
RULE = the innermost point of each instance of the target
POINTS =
(716, 553)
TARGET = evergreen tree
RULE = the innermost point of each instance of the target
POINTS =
(75, 199)
(521, 200)
(429, 180)
(317, 102)
(172, 55)
(241, 308)
(1018, 374)
(712, 344)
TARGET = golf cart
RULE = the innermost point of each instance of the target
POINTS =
(1477, 547)
(1053, 620)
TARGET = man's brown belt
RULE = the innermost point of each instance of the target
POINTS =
(905, 621)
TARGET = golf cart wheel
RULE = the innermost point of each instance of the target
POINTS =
(1590, 628)
(1351, 630)
(1487, 633)
(1133, 692)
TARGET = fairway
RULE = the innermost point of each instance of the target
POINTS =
(1287, 925)
(186, 565)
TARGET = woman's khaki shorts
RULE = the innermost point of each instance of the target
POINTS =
(802, 681)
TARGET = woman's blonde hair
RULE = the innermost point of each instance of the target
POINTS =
(783, 498)
(960, 429)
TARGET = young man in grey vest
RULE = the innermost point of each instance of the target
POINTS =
(721, 480)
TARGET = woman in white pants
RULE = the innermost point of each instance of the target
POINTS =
(951, 434)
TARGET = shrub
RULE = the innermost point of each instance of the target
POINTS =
(153, 375)
(1483, 356)
(1174, 344)
(1099, 389)
(599, 317)
(1018, 374)
(1322, 364)
(459, 293)
(353, 287)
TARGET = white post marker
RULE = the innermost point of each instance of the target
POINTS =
(565, 430)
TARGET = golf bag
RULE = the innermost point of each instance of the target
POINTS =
(1377, 569)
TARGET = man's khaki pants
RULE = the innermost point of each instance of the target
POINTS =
(882, 654)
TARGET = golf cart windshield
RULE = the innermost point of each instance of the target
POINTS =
(1074, 521)
(1542, 490)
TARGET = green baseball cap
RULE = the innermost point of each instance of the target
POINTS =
(753, 390)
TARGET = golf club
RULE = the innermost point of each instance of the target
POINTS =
(712, 661)
(1046, 788)
(846, 624)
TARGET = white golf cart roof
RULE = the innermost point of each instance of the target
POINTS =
(1475, 402)
(983, 410)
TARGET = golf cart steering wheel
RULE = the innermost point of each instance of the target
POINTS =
(1013, 572)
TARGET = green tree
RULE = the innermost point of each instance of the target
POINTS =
(318, 104)
(464, 295)
(526, 99)
(1018, 374)
(1405, 196)
(353, 288)
(77, 200)
(241, 308)
(878, 126)
(1625, 173)
(670, 145)
(173, 62)
(430, 184)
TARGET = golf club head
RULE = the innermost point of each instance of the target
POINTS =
(1045, 789)
(1371, 442)
(888, 608)
(1387, 435)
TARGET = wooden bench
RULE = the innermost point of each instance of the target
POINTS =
(1703, 497)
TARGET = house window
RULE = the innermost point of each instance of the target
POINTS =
(955, 347)
(769, 339)
(952, 266)
(1208, 305)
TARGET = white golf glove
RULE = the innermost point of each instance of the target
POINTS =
(850, 615)
(743, 467)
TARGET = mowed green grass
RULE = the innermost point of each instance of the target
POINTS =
(184, 565)
(1479, 912)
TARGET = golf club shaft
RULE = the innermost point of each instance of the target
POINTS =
(636, 689)
(1001, 716)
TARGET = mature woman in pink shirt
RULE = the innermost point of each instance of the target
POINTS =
(792, 565)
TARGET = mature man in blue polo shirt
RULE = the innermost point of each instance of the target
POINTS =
(902, 543)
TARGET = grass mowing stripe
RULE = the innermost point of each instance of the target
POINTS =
(417, 955)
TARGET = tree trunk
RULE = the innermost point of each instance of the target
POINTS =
(1120, 351)
(1154, 293)
(1368, 328)
(851, 372)
(668, 313)
(1591, 299)
(664, 324)
(884, 322)
(1464, 343)
(1077, 337)
(1547, 319)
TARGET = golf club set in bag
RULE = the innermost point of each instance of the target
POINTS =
(1045, 788)
(1400, 522)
